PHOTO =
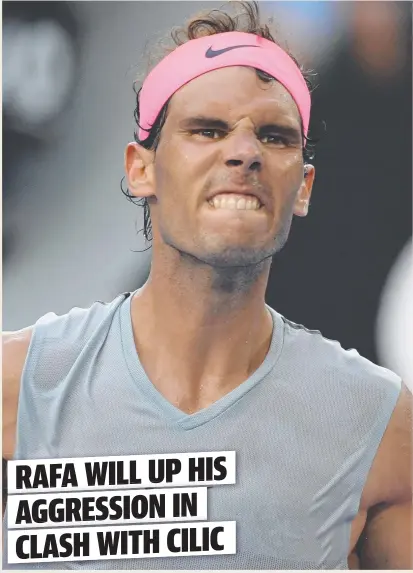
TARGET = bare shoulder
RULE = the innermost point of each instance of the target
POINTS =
(15, 347)
(14, 353)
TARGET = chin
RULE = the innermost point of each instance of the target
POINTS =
(227, 256)
(218, 252)
(230, 257)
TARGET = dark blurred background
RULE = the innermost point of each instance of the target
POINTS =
(69, 235)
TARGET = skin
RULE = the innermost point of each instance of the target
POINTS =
(211, 267)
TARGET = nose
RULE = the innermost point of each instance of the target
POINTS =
(243, 151)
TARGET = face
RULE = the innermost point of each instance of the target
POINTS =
(228, 173)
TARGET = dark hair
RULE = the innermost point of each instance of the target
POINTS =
(207, 24)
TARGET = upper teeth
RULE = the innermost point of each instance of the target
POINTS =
(232, 201)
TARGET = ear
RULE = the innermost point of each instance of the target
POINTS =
(139, 169)
(302, 201)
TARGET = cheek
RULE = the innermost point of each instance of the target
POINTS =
(292, 162)
(286, 179)
(173, 183)
(171, 163)
(165, 172)
(290, 173)
(180, 171)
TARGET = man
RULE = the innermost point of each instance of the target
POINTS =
(195, 360)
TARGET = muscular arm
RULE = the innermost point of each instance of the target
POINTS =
(386, 541)
(15, 347)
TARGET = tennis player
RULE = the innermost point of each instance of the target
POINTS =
(194, 360)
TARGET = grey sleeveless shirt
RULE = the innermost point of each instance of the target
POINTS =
(305, 427)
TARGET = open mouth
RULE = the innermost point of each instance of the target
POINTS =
(235, 202)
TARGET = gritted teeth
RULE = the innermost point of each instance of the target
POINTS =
(233, 201)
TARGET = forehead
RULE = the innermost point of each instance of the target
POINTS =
(233, 93)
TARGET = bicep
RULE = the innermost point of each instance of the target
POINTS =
(386, 541)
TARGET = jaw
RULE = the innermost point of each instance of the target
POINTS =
(219, 237)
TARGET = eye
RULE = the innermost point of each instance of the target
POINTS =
(208, 133)
(274, 138)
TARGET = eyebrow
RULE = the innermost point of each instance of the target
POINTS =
(215, 123)
(285, 130)
(203, 121)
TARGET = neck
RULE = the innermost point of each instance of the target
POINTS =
(206, 330)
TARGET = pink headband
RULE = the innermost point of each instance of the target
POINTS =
(197, 57)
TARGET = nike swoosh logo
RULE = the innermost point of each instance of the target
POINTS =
(210, 53)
